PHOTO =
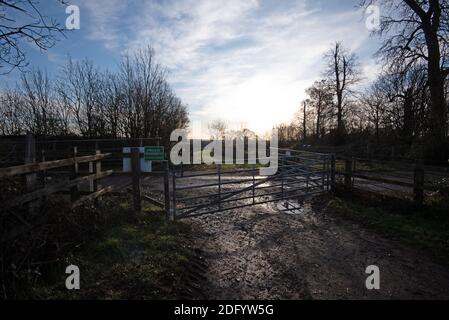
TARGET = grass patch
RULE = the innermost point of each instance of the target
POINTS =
(425, 228)
(340, 166)
(134, 256)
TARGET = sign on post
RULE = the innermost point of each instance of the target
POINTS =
(154, 153)
(147, 155)
(145, 166)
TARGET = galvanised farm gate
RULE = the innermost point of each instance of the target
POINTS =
(300, 174)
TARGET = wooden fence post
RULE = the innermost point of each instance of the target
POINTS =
(31, 178)
(282, 177)
(135, 165)
(167, 190)
(348, 174)
(74, 192)
(323, 179)
(418, 181)
(91, 171)
(174, 194)
(333, 172)
(97, 170)
(254, 184)
(219, 185)
(44, 172)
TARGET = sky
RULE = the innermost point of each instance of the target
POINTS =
(247, 62)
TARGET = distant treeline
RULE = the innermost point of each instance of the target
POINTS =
(408, 102)
(136, 101)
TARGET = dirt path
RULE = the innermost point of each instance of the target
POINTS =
(261, 253)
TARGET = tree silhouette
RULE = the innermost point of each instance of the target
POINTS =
(22, 21)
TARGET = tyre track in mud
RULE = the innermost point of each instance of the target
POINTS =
(255, 270)
(310, 256)
(261, 253)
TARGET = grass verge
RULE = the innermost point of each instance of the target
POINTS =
(425, 228)
(133, 256)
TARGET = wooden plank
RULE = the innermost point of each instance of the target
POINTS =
(33, 167)
(53, 189)
(91, 197)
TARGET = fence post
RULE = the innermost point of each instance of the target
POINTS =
(174, 194)
(74, 192)
(348, 174)
(333, 172)
(418, 188)
(44, 172)
(167, 190)
(91, 171)
(282, 177)
(135, 165)
(254, 183)
(323, 180)
(31, 179)
(97, 170)
(219, 185)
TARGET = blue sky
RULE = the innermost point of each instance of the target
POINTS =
(245, 61)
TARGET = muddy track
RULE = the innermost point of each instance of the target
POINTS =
(260, 252)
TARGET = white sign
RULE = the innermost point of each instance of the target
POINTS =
(145, 166)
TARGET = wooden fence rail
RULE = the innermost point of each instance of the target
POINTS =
(415, 181)
(47, 165)
(32, 168)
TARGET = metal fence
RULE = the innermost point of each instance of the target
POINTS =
(223, 188)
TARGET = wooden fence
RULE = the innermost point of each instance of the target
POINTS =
(32, 168)
(413, 180)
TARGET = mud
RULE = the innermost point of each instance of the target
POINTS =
(262, 253)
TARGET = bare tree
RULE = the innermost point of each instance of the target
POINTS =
(13, 116)
(150, 105)
(416, 31)
(342, 72)
(373, 101)
(78, 87)
(320, 97)
(217, 129)
(304, 121)
(136, 102)
(45, 115)
(22, 21)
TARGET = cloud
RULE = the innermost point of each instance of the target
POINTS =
(105, 21)
(243, 61)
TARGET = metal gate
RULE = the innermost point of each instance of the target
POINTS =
(300, 174)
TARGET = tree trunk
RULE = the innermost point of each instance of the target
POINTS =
(437, 145)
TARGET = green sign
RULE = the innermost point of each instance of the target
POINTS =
(154, 153)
